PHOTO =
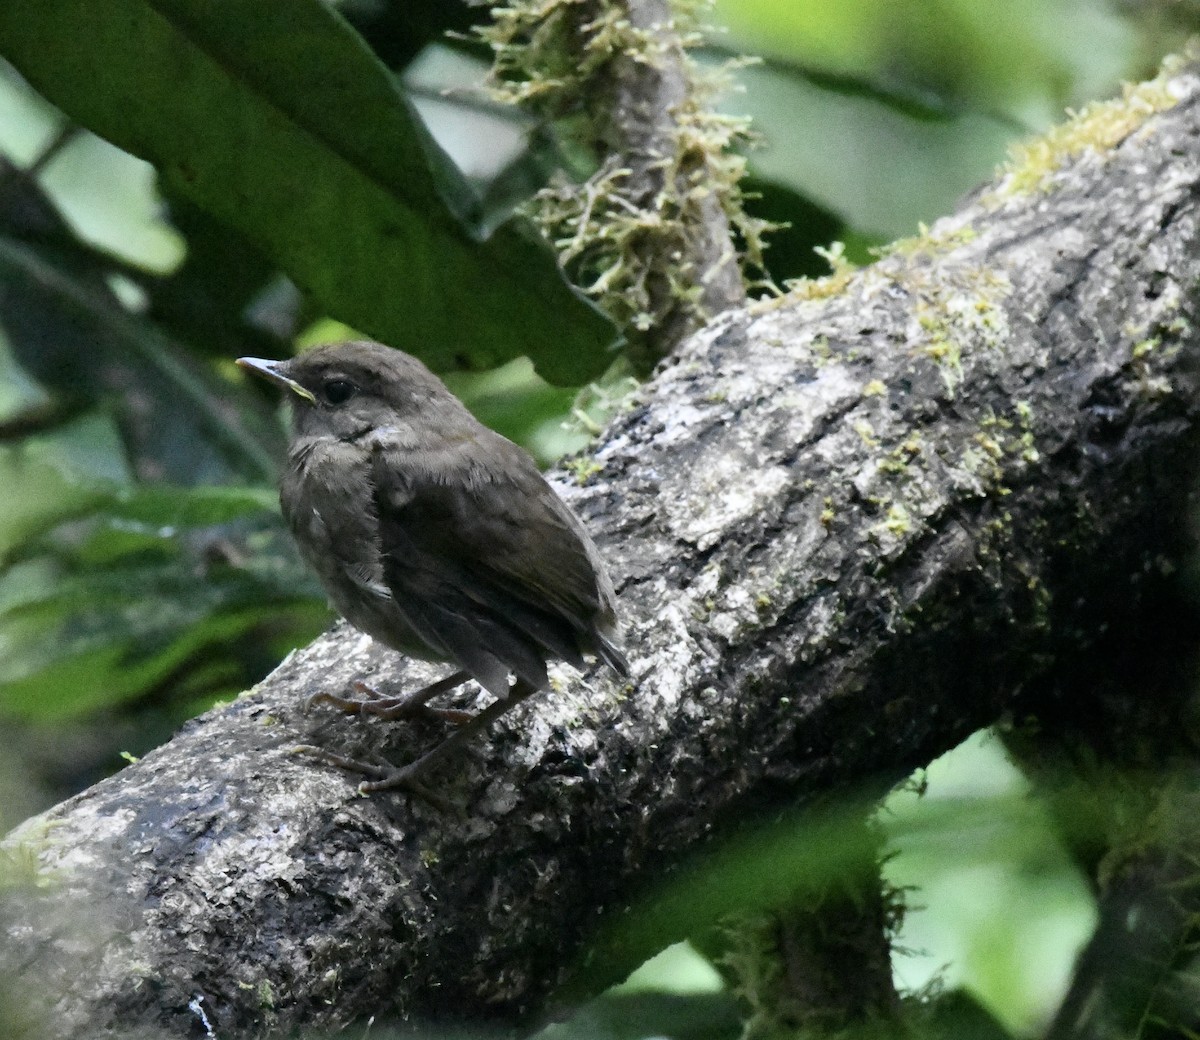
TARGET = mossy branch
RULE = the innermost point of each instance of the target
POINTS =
(848, 529)
(652, 234)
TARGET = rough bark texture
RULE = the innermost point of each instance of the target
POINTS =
(847, 530)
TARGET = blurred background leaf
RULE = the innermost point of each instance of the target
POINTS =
(339, 168)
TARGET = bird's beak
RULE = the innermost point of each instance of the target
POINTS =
(270, 371)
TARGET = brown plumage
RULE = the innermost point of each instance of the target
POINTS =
(434, 534)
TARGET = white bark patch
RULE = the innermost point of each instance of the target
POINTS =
(723, 498)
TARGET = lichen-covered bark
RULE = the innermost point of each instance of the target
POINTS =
(668, 157)
(846, 530)
(657, 233)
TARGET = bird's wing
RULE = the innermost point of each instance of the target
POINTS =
(485, 560)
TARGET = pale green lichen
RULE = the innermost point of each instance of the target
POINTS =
(841, 270)
(582, 468)
(557, 59)
(1097, 128)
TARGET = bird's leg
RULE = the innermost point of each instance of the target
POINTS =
(406, 776)
(357, 765)
(405, 706)
(385, 779)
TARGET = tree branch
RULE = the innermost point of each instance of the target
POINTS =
(849, 527)
(653, 91)
(651, 234)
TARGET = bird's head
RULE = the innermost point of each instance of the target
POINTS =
(347, 390)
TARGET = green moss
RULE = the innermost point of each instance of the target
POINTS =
(866, 433)
(948, 356)
(897, 521)
(1097, 128)
(926, 243)
(957, 315)
(991, 445)
(900, 458)
(558, 58)
(583, 468)
(20, 856)
(832, 284)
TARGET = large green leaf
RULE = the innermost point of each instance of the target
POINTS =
(277, 119)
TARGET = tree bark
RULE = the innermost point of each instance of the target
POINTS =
(848, 527)
(648, 130)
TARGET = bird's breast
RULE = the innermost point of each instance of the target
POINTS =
(328, 502)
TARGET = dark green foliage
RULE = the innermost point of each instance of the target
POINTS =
(143, 570)
(138, 533)
(278, 120)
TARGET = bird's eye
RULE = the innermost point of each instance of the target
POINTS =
(338, 391)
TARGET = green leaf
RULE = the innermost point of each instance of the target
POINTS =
(104, 622)
(79, 469)
(803, 225)
(762, 867)
(19, 394)
(179, 419)
(192, 507)
(930, 163)
(46, 475)
(277, 119)
(65, 680)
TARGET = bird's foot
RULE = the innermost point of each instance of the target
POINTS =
(390, 778)
(406, 706)
(382, 777)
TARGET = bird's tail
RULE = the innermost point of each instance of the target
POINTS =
(612, 655)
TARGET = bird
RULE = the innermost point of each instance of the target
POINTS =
(436, 536)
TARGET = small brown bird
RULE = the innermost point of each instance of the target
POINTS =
(434, 535)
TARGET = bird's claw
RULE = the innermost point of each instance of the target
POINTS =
(347, 704)
(381, 706)
(384, 778)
